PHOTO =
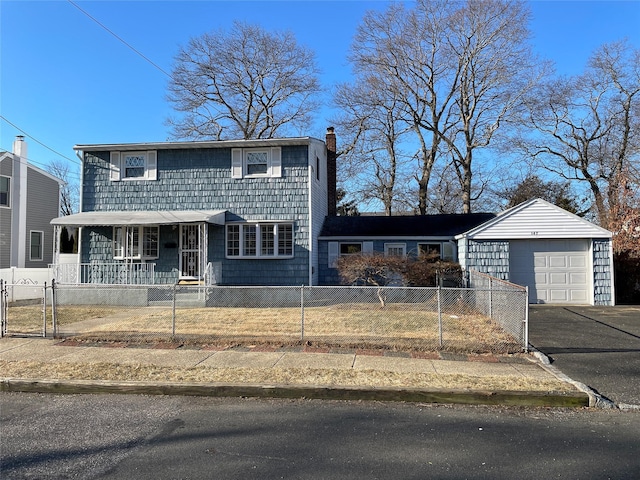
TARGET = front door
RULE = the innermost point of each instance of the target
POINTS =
(193, 239)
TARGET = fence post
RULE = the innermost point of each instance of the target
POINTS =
(44, 310)
(54, 313)
(526, 319)
(302, 313)
(173, 313)
(3, 320)
(439, 318)
(491, 297)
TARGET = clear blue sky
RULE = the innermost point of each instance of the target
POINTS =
(65, 80)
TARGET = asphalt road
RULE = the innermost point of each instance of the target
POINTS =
(143, 437)
(598, 346)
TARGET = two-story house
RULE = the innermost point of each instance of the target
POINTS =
(263, 212)
(241, 212)
(29, 199)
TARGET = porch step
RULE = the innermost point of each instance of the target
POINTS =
(191, 282)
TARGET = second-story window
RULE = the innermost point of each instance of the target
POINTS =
(133, 165)
(5, 190)
(256, 162)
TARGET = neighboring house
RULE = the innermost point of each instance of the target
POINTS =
(561, 257)
(244, 212)
(29, 199)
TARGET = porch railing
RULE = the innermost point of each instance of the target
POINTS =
(104, 273)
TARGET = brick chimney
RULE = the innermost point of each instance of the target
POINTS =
(331, 171)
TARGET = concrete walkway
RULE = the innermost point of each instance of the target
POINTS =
(518, 368)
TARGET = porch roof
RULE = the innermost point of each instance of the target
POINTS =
(166, 217)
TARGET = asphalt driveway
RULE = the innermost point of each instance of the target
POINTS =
(598, 346)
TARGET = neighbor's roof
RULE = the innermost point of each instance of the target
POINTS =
(443, 225)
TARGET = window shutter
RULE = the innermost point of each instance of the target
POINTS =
(333, 254)
(236, 163)
(152, 165)
(114, 169)
(367, 247)
(276, 162)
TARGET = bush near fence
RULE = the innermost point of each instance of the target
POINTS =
(419, 319)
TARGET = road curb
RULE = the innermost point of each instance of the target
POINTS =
(595, 399)
(386, 394)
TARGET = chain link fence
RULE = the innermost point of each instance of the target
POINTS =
(29, 307)
(474, 320)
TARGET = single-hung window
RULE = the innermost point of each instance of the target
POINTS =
(443, 250)
(5, 191)
(350, 249)
(134, 165)
(35, 245)
(395, 249)
(257, 162)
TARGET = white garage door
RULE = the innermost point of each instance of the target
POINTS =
(556, 271)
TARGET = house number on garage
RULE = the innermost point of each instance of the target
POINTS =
(534, 233)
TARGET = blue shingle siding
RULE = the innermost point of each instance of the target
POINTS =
(602, 275)
(200, 179)
(490, 257)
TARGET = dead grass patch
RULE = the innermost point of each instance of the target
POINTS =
(396, 326)
(292, 376)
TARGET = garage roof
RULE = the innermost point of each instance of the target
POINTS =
(536, 219)
(444, 225)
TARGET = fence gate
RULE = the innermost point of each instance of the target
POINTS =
(25, 309)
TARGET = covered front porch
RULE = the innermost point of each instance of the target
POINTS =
(139, 248)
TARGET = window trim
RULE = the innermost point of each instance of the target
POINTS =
(239, 164)
(441, 245)
(41, 246)
(124, 241)
(283, 233)
(388, 246)
(8, 192)
(118, 166)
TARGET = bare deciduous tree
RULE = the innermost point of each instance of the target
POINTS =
(246, 83)
(70, 191)
(373, 162)
(587, 127)
(458, 70)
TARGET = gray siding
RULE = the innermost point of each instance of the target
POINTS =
(490, 257)
(43, 194)
(192, 179)
(5, 237)
(330, 276)
(6, 169)
(602, 274)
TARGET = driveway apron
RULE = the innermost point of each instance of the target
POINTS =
(598, 346)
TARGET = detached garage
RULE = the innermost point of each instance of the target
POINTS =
(562, 258)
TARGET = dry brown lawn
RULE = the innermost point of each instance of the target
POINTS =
(396, 326)
(270, 376)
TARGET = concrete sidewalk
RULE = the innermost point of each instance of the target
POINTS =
(512, 368)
